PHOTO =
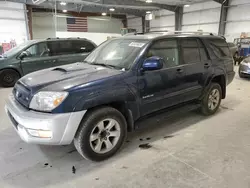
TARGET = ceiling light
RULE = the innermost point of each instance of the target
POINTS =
(149, 1)
(148, 12)
(65, 11)
(104, 14)
(63, 3)
(112, 9)
(186, 6)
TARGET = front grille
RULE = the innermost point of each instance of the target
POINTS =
(12, 119)
(22, 94)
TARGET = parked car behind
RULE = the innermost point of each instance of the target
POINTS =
(244, 68)
(95, 103)
(35, 55)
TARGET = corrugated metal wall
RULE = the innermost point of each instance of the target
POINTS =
(43, 25)
(164, 20)
(135, 23)
(238, 19)
(12, 22)
(202, 16)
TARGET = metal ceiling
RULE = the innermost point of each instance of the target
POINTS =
(133, 7)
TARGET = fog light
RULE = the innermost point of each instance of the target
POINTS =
(40, 133)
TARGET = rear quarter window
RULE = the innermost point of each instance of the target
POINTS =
(219, 47)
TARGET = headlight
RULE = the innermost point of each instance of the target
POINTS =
(245, 63)
(47, 101)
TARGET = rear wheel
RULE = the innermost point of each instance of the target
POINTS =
(8, 77)
(212, 99)
(101, 134)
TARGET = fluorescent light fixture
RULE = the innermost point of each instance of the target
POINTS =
(186, 6)
(104, 14)
(112, 9)
(149, 1)
(148, 12)
(63, 3)
(65, 11)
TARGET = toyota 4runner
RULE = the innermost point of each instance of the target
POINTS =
(95, 103)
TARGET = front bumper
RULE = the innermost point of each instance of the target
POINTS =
(245, 70)
(61, 126)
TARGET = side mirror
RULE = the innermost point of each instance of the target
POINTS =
(23, 55)
(152, 63)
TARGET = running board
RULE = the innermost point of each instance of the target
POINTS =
(167, 113)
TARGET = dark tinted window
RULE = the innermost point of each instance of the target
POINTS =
(60, 47)
(83, 46)
(190, 50)
(203, 51)
(168, 50)
(219, 47)
(70, 47)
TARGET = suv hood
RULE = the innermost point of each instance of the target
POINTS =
(66, 77)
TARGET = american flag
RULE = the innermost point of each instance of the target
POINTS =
(77, 24)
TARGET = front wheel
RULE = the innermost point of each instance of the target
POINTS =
(212, 99)
(8, 77)
(101, 134)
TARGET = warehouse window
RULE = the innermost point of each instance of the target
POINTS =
(190, 51)
(166, 49)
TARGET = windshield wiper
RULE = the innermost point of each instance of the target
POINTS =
(105, 65)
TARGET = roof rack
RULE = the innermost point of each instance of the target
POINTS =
(73, 38)
(183, 32)
(52, 38)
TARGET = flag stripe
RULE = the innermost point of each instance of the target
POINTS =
(77, 24)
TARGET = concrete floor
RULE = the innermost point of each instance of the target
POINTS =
(187, 151)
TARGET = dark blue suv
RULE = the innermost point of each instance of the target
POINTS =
(95, 103)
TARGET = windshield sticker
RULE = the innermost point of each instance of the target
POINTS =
(137, 44)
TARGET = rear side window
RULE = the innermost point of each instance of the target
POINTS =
(82, 46)
(60, 47)
(219, 47)
(190, 50)
(203, 52)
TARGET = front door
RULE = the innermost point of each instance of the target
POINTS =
(162, 88)
(38, 57)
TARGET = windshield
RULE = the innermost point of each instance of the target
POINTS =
(16, 49)
(117, 53)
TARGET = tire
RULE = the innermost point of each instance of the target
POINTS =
(91, 124)
(206, 108)
(8, 77)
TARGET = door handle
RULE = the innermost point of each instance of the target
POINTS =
(54, 61)
(206, 65)
(179, 70)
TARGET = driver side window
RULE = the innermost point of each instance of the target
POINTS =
(38, 50)
(166, 49)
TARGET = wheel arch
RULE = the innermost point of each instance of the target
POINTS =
(221, 80)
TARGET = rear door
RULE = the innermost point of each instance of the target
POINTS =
(38, 58)
(195, 59)
(70, 51)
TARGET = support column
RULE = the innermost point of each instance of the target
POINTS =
(147, 26)
(143, 24)
(178, 18)
(223, 17)
(29, 17)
